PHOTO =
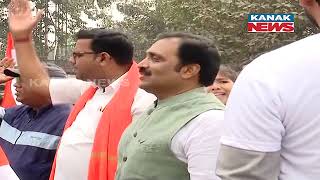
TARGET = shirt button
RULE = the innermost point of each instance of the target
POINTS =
(125, 159)
(135, 134)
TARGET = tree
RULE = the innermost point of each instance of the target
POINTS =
(224, 21)
(62, 19)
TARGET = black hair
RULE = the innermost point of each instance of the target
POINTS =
(196, 49)
(87, 33)
(116, 44)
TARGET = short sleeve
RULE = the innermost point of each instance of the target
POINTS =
(253, 113)
(66, 91)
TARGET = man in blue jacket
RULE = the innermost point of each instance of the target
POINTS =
(29, 133)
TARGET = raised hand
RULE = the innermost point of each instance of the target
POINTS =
(5, 63)
(21, 22)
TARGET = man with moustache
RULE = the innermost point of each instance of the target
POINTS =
(272, 120)
(103, 108)
(177, 138)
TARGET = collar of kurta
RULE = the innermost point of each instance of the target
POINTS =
(178, 98)
(114, 86)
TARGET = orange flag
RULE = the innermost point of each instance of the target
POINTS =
(8, 99)
(5, 170)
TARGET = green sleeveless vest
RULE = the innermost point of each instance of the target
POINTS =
(144, 148)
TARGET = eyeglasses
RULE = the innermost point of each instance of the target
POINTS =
(76, 55)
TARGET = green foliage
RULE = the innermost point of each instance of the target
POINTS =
(3, 25)
(225, 21)
(62, 19)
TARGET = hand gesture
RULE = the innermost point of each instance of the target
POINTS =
(5, 63)
(21, 22)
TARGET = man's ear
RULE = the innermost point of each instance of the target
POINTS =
(190, 70)
(105, 58)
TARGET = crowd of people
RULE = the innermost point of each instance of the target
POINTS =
(178, 114)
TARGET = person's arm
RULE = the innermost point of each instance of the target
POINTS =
(240, 164)
(33, 75)
(21, 25)
(253, 129)
(67, 91)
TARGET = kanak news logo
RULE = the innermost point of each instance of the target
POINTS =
(270, 22)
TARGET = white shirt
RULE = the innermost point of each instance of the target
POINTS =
(76, 143)
(274, 105)
(198, 144)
